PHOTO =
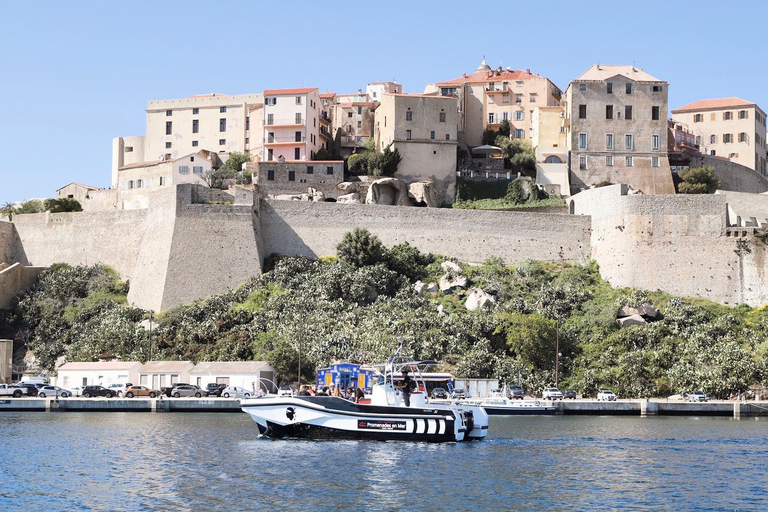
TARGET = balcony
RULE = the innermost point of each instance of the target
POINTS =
(286, 121)
(324, 133)
(284, 141)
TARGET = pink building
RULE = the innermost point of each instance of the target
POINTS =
(291, 124)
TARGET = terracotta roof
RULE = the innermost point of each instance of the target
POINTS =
(280, 92)
(79, 185)
(435, 96)
(100, 365)
(603, 71)
(715, 103)
(327, 94)
(230, 367)
(165, 366)
(489, 76)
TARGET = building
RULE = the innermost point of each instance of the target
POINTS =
(296, 177)
(76, 191)
(728, 127)
(253, 375)
(376, 90)
(343, 375)
(616, 127)
(214, 122)
(291, 124)
(101, 373)
(423, 129)
(157, 374)
(353, 124)
(489, 96)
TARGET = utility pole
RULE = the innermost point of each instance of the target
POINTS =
(151, 317)
(557, 353)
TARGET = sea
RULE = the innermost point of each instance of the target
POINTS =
(201, 461)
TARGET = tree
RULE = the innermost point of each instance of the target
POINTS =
(699, 180)
(530, 338)
(490, 136)
(408, 261)
(65, 204)
(234, 164)
(323, 154)
(31, 206)
(504, 129)
(360, 248)
(516, 194)
(8, 210)
(518, 154)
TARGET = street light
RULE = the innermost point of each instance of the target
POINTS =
(557, 354)
(151, 317)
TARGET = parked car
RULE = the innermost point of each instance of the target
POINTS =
(516, 392)
(76, 390)
(132, 391)
(606, 395)
(89, 391)
(236, 392)
(283, 391)
(53, 391)
(698, 396)
(168, 390)
(459, 394)
(214, 389)
(31, 388)
(12, 390)
(118, 388)
(439, 393)
(569, 393)
(552, 394)
(186, 390)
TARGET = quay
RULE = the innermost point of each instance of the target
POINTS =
(564, 407)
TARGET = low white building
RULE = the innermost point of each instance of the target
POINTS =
(247, 374)
(101, 373)
(157, 374)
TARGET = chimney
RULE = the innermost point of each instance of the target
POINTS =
(528, 71)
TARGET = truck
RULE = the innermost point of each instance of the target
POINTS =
(12, 390)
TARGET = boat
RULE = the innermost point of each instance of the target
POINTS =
(386, 418)
(499, 404)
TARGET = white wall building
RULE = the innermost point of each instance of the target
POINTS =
(246, 374)
(157, 374)
(97, 373)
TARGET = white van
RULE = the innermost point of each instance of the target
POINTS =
(34, 379)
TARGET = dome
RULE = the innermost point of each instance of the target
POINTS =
(483, 66)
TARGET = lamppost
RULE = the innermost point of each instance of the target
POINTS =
(151, 317)
(557, 353)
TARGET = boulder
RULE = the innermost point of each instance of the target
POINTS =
(440, 310)
(631, 320)
(288, 197)
(477, 299)
(353, 198)
(432, 287)
(347, 187)
(315, 195)
(419, 287)
(450, 282)
(649, 312)
(388, 191)
(450, 266)
(628, 311)
(422, 193)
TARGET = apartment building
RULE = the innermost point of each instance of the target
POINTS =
(376, 90)
(489, 96)
(423, 128)
(213, 122)
(728, 127)
(616, 126)
(353, 123)
(327, 104)
(291, 124)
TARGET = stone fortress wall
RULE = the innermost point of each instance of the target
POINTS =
(7, 241)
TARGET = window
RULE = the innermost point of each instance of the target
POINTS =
(533, 97)
(698, 140)
(432, 135)
(447, 136)
(359, 124)
(349, 114)
(518, 98)
(582, 141)
(359, 110)
(519, 83)
(270, 154)
(183, 169)
(629, 142)
(713, 139)
(582, 161)
(582, 87)
(609, 160)
(519, 116)
(162, 180)
(654, 161)
(195, 126)
(519, 134)
(129, 149)
(329, 170)
(505, 98)
(222, 109)
(291, 175)
(195, 110)
(727, 138)
(197, 169)
(167, 156)
(727, 116)
(407, 134)
(628, 112)
(629, 88)
(505, 116)
(297, 137)
(655, 113)
(270, 119)
(409, 116)
(169, 112)
(491, 118)
(442, 117)
(698, 118)
(222, 142)
(168, 127)
(168, 145)
(608, 141)
(655, 142)
(743, 114)
(222, 125)
(298, 118)
(298, 100)
(628, 161)
(310, 169)
(609, 111)
(609, 88)
(582, 111)
(271, 101)
(656, 88)
(247, 123)
(743, 137)
(270, 174)
(297, 153)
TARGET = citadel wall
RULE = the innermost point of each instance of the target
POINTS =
(7, 242)
(314, 229)
(733, 176)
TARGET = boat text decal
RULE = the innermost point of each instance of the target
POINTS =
(381, 425)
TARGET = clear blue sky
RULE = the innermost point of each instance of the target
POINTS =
(78, 73)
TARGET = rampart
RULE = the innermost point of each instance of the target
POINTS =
(7, 242)
(314, 229)
(679, 244)
(733, 176)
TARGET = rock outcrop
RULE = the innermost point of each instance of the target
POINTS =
(450, 282)
(477, 299)
(422, 193)
(388, 191)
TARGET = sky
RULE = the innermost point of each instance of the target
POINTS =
(76, 74)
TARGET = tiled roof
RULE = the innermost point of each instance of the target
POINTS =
(435, 96)
(279, 92)
(603, 71)
(714, 104)
(489, 76)
(99, 365)
(79, 185)
(327, 94)
(230, 367)
(165, 366)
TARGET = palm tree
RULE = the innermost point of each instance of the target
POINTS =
(8, 210)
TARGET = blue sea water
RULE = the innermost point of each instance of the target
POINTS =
(177, 461)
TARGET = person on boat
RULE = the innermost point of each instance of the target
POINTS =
(303, 391)
(335, 391)
(359, 395)
(406, 387)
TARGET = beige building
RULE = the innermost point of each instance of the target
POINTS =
(98, 373)
(728, 127)
(548, 127)
(76, 191)
(213, 122)
(376, 90)
(423, 129)
(353, 125)
(489, 96)
(291, 124)
(616, 127)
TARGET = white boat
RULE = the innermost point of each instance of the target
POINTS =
(498, 404)
(385, 418)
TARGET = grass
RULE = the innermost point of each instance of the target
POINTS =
(503, 204)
